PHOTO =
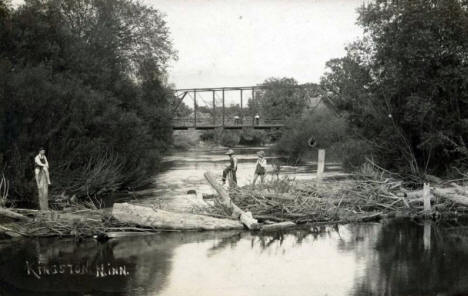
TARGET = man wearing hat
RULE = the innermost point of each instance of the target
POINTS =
(232, 167)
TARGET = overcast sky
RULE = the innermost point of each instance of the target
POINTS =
(243, 42)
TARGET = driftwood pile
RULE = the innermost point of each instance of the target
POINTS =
(361, 199)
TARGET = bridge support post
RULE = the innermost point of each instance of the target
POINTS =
(253, 104)
(214, 108)
(195, 108)
(241, 112)
(223, 107)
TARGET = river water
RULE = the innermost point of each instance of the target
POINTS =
(183, 171)
(395, 257)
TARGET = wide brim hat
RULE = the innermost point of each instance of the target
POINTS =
(261, 153)
(230, 152)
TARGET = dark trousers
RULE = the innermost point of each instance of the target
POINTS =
(226, 172)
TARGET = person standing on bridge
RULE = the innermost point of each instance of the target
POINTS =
(231, 168)
(236, 120)
(257, 119)
(260, 168)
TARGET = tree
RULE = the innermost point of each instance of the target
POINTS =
(85, 79)
(281, 98)
(404, 86)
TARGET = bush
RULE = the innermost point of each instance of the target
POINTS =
(250, 136)
(322, 125)
(353, 153)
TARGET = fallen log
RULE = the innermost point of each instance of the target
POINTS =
(450, 194)
(460, 189)
(155, 218)
(278, 226)
(233, 210)
(13, 215)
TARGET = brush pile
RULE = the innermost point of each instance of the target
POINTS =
(361, 198)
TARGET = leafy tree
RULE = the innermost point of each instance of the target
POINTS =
(84, 78)
(282, 98)
(404, 86)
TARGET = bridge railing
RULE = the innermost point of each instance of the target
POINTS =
(189, 122)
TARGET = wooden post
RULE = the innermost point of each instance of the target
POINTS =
(245, 217)
(427, 197)
(320, 164)
(214, 108)
(43, 191)
(223, 107)
(195, 108)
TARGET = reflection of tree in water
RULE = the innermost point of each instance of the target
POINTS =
(147, 259)
(401, 265)
(266, 240)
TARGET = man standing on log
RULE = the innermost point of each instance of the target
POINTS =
(41, 165)
(231, 168)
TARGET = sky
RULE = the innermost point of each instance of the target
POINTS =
(243, 42)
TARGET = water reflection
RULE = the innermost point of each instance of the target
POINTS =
(393, 258)
(412, 259)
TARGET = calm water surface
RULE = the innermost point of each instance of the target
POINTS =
(392, 258)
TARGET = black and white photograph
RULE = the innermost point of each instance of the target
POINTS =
(233, 148)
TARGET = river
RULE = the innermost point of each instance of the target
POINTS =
(397, 257)
(183, 171)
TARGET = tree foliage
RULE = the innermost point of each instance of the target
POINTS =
(282, 98)
(404, 86)
(85, 79)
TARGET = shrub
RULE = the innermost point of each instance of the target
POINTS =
(352, 153)
(322, 125)
(250, 136)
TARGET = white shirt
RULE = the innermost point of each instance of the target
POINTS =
(37, 160)
(262, 162)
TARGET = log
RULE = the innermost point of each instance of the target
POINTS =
(372, 217)
(278, 226)
(449, 193)
(155, 218)
(230, 207)
(13, 215)
(9, 232)
(460, 189)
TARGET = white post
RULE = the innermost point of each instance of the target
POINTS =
(427, 198)
(320, 163)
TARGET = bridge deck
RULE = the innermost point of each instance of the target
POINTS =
(208, 127)
(184, 124)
